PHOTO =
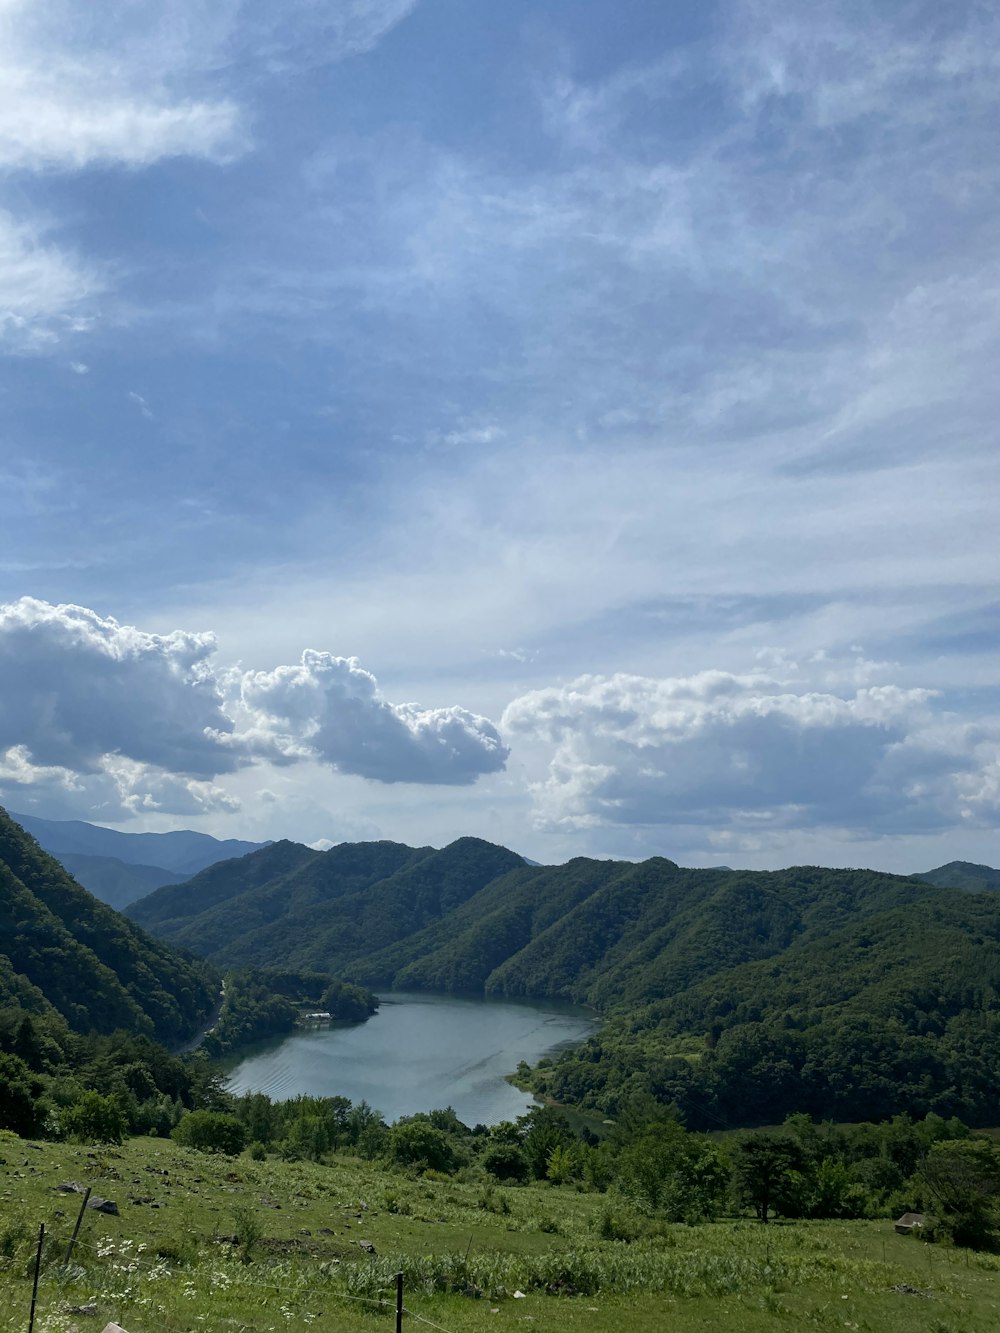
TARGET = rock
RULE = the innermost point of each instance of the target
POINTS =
(71, 1187)
(89, 1310)
(112, 1328)
(520, 1296)
(367, 1246)
(100, 1205)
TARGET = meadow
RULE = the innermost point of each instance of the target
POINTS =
(231, 1244)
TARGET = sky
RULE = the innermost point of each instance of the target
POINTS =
(568, 422)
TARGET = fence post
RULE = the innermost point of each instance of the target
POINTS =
(76, 1229)
(399, 1303)
(34, 1285)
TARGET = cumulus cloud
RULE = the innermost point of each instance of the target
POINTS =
(75, 687)
(330, 708)
(105, 715)
(751, 752)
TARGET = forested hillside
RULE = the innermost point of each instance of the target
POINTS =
(289, 906)
(963, 875)
(119, 867)
(741, 996)
(62, 950)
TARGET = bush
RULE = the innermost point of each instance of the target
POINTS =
(506, 1161)
(210, 1131)
(94, 1119)
(418, 1143)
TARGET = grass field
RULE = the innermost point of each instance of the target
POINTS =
(168, 1261)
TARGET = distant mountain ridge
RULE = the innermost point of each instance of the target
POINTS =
(61, 949)
(120, 867)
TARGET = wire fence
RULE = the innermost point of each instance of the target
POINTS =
(97, 1267)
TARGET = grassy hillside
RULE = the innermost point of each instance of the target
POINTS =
(167, 1261)
(62, 950)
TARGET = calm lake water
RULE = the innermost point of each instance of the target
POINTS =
(421, 1051)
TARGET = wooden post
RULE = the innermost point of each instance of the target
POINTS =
(76, 1229)
(34, 1285)
(399, 1303)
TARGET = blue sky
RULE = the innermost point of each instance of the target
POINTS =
(569, 423)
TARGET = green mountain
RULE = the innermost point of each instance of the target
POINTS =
(116, 882)
(289, 906)
(739, 995)
(61, 949)
(963, 875)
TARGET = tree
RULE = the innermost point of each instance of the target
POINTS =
(506, 1161)
(681, 1175)
(765, 1164)
(963, 1178)
(19, 1107)
(95, 1119)
(419, 1143)
(211, 1131)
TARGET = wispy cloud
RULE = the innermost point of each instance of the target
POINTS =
(46, 292)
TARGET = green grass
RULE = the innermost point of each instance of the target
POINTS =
(464, 1250)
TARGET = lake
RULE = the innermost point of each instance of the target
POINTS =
(421, 1051)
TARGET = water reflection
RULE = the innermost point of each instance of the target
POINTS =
(421, 1051)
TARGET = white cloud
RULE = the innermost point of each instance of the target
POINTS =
(750, 754)
(136, 723)
(330, 708)
(79, 89)
(142, 405)
(75, 687)
(45, 292)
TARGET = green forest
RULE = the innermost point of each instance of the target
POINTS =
(736, 997)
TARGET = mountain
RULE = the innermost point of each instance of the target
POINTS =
(182, 851)
(61, 949)
(115, 882)
(738, 995)
(963, 875)
(287, 905)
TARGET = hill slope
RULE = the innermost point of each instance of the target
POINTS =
(62, 949)
(963, 875)
(116, 882)
(289, 906)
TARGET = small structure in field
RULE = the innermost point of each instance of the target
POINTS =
(909, 1223)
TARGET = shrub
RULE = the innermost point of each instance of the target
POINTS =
(506, 1161)
(210, 1131)
(94, 1119)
